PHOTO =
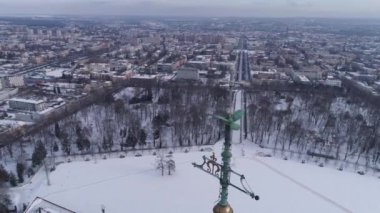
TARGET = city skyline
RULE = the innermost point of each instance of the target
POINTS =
(125, 106)
(238, 8)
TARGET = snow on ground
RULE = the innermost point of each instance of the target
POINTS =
(6, 124)
(132, 185)
(281, 105)
(236, 134)
(13, 122)
(127, 93)
(55, 72)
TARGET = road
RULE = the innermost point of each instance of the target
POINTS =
(244, 69)
(242, 75)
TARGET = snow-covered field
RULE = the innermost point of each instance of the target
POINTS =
(132, 185)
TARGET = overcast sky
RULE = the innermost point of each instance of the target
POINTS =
(255, 8)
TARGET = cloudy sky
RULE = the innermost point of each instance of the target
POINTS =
(255, 8)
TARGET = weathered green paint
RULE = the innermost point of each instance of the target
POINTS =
(225, 173)
(227, 155)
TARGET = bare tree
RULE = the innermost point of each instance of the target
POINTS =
(160, 163)
(170, 164)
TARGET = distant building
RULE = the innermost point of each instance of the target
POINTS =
(27, 116)
(301, 79)
(331, 82)
(11, 81)
(187, 74)
(1, 84)
(61, 88)
(16, 81)
(40, 32)
(202, 65)
(165, 67)
(27, 104)
(312, 73)
(7, 93)
(376, 85)
(30, 31)
(59, 33)
(362, 77)
(271, 74)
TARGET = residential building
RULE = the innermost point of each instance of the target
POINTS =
(26, 104)
(16, 81)
(188, 74)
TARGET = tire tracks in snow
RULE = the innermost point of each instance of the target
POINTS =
(307, 188)
(102, 181)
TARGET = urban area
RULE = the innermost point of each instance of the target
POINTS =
(122, 92)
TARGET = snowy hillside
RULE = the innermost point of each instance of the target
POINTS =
(132, 184)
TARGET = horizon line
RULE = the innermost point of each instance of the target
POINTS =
(184, 16)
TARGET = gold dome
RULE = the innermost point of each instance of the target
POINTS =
(223, 209)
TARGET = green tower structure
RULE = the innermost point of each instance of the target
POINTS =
(225, 169)
(230, 125)
(223, 205)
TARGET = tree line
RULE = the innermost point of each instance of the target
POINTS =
(333, 125)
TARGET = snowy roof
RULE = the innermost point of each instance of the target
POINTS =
(27, 100)
(46, 206)
(57, 73)
(196, 62)
(142, 76)
(303, 78)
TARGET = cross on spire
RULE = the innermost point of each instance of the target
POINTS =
(224, 175)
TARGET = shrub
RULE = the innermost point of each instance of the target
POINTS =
(12, 179)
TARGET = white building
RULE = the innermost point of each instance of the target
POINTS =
(30, 31)
(271, 74)
(59, 33)
(16, 81)
(331, 81)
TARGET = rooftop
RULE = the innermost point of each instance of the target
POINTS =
(32, 101)
(42, 205)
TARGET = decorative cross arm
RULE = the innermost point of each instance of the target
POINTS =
(231, 119)
(211, 167)
(245, 186)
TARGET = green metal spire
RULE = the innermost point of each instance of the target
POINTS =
(226, 154)
(209, 165)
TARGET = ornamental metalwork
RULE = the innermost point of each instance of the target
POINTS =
(212, 167)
